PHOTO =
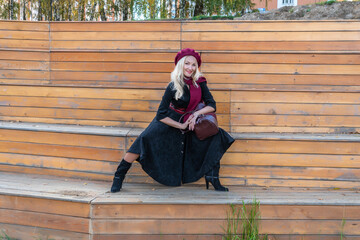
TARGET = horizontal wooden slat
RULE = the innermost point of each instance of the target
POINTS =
(24, 44)
(271, 36)
(156, 237)
(320, 173)
(104, 104)
(289, 79)
(210, 211)
(273, 45)
(114, 36)
(304, 159)
(55, 172)
(107, 115)
(26, 232)
(144, 79)
(73, 56)
(23, 74)
(214, 227)
(82, 92)
(24, 35)
(281, 68)
(78, 122)
(119, 77)
(304, 129)
(68, 139)
(61, 151)
(114, 45)
(295, 121)
(74, 224)
(42, 205)
(24, 26)
(69, 164)
(25, 55)
(295, 97)
(284, 58)
(24, 65)
(112, 67)
(269, 26)
(115, 26)
(315, 147)
(304, 183)
(134, 94)
(295, 109)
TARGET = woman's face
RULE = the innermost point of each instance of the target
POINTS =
(189, 66)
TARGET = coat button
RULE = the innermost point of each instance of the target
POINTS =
(182, 151)
(182, 143)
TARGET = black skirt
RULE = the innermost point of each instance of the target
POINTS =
(171, 157)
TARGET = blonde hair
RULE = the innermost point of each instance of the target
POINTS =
(177, 77)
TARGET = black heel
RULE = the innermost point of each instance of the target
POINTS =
(207, 183)
(213, 177)
(119, 177)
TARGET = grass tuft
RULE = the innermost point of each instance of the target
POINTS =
(243, 223)
(4, 236)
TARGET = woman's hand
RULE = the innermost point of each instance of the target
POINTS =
(184, 125)
(192, 120)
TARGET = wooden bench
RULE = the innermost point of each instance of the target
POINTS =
(74, 96)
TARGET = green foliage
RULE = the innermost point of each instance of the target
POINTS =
(120, 10)
(330, 2)
(10, 9)
(202, 17)
(243, 223)
(4, 236)
(342, 229)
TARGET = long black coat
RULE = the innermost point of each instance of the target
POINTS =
(171, 157)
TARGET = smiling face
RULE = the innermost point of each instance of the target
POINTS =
(190, 66)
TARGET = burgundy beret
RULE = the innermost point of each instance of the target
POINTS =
(188, 52)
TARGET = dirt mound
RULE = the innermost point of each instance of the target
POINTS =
(324, 11)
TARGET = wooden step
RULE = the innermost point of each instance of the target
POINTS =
(297, 160)
(65, 208)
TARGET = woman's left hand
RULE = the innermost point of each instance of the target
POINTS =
(192, 121)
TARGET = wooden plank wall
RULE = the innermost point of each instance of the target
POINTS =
(268, 76)
(249, 162)
(24, 217)
(285, 76)
(273, 76)
(205, 221)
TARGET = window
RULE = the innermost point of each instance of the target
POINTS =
(282, 3)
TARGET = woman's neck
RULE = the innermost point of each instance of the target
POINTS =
(188, 78)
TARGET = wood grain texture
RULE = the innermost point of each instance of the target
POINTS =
(270, 36)
(41, 205)
(273, 45)
(35, 219)
(269, 26)
(304, 58)
(26, 232)
(115, 26)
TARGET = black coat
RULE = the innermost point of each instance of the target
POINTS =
(171, 157)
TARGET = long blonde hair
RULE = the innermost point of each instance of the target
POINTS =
(177, 77)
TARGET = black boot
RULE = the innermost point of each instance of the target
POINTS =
(120, 173)
(213, 177)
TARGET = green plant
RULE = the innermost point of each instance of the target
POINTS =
(202, 17)
(342, 229)
(329, 2)
(4, 236)
(243, 223)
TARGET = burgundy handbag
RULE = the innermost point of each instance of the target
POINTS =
(206, 124)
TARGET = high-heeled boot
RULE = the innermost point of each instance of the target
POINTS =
(213, 177)
(119, 175)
